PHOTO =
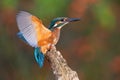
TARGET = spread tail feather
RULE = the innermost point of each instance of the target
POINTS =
(39, 57)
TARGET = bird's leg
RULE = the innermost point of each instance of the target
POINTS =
(46, 48)
(52, 46)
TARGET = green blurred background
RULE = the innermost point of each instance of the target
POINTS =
(90, 46)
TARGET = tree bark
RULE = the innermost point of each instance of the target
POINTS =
(59, 66)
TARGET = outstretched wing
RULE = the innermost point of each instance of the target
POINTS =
(31, 28)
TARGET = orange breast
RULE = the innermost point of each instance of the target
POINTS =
(46, 43)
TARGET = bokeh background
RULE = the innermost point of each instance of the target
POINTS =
(90, 46)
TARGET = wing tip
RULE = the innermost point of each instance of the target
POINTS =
(22, 13)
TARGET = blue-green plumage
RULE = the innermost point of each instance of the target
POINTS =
(39, 57)
(54, 21)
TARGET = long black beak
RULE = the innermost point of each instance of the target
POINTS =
(73, 19)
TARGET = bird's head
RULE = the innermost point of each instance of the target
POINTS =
(60, 22)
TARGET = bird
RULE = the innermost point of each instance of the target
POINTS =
(34, 33)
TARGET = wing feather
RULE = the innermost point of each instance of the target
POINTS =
(31, 28)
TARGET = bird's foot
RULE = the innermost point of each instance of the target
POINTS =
(52, 46)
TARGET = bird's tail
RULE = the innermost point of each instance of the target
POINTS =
(39, 56)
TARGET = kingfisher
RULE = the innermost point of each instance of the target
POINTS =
(35, 34)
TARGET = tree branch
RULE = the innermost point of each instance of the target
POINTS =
(59, 66)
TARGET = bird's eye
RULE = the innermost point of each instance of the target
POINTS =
(65, 19)
(62, 19)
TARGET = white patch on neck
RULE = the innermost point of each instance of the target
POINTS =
(62, 25)
(55, 24)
